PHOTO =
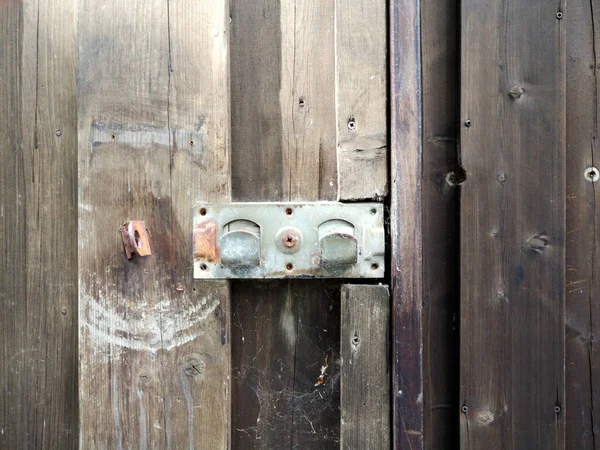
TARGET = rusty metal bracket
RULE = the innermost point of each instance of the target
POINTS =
(289, 240)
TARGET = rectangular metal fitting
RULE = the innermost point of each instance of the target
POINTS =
(289, 240)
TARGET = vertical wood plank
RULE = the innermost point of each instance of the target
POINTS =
(284, 147)
(283, 334)
(365, 367)
(38, 225)
(406, 223)
(583, 289)
(513, 225)
(361, 99)
(440, 27)
(153, 142)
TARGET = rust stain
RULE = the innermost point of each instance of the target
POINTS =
(205, 241)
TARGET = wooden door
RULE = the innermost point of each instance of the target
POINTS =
(182, 102)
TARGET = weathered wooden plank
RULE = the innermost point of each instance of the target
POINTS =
(441, 175)
(153, 129)
(283, 108)
(365, 367)
(284, 147)
(283, 334)
(361, 99)
(406, 224)
(38, 225)
(583, 288)
(513, 225)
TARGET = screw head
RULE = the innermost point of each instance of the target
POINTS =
(592, 174)
(58, 132)
(559, 15)
(351, 124)
(288, 239)
(468, 123)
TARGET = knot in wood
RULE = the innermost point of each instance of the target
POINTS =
(193, 366)
(538, 242)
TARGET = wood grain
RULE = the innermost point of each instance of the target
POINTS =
(284, 148)
(38, 225)
(583, 216)
(365, 367)
(440, 28)
(406, 206)
(153, 142)
(283, 333)
(513, 225)
(361, 99)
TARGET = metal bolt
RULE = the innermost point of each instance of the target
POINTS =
(58, 132)
(351, 124)
(557, 409)
(355, 340)
(468, 123)
(592, 174)
(559, 15)
(464, 409)
(501, 177)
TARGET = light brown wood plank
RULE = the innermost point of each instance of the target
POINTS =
(365, 367)
(440, 27)
(513, 225)
(361, 92)
(583, 233)
(153, 127)
(38, 225)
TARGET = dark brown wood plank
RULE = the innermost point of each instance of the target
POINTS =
(283, 333)
(284, 148)
(440, 28)
(365, 367)
(513, 225)
(154, 134)
(406, 224)
(38, 225)
(583, 234)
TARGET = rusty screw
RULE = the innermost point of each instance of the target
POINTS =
(290, 239)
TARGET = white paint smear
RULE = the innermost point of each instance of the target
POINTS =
(159, 327)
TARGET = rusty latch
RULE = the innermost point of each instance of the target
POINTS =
(135, 238)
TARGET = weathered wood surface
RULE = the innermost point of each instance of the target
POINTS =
(283, 334)
(361, 95)
(283, 105)
(365, 367)
(512, 225)
(153, 142)
(406, 224)
(284, 148)
(583, 233)
(441, 174)
(38, 225)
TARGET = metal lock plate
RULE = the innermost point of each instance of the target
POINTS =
(289, 240)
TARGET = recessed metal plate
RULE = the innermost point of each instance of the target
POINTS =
(289, 240)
